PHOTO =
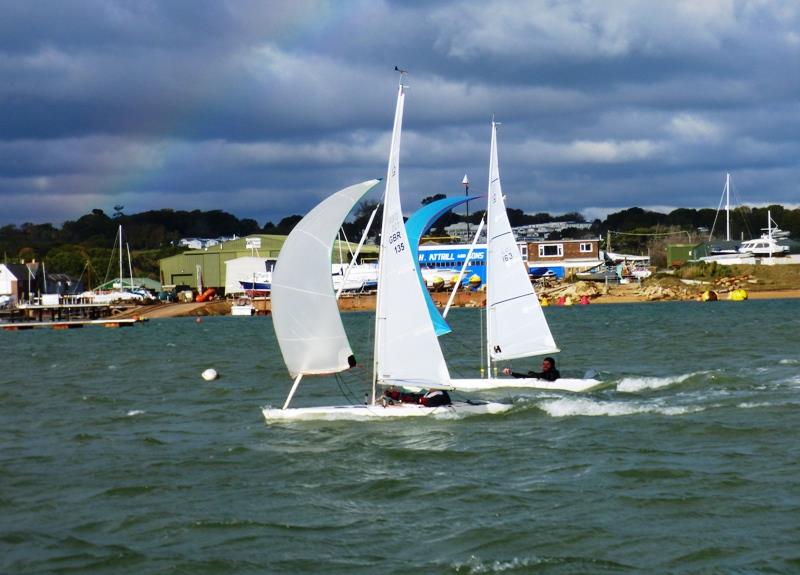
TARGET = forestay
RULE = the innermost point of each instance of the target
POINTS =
(304, 309)
(516, 324)
(407, 351)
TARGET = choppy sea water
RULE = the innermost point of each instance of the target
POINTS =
(116, 457)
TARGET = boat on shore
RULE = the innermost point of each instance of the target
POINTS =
(730, 252)
(355, 278)
(767, 245)
(243, 306)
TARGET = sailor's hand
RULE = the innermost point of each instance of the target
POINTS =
(506, 371)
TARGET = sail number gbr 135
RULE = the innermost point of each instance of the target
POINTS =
(393, 239)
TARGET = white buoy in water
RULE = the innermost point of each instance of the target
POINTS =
(210, 374)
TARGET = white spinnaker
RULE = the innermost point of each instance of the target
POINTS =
(304, 309)
(516, 324)
(406, 347)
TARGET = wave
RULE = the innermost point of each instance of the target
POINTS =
(754, 404)
(569, 407)
(789, 362)
(134, 412)
(636, 384)
(474, 565)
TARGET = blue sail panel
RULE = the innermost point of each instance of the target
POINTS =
(419, 223)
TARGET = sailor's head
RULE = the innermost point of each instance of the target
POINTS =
(548, 363)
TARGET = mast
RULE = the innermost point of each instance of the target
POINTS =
(728, 206)
(130, 264)
(391, 180)
(120, 257)
(463, 268)
(346, 272)
(493, 175)
(769, 233)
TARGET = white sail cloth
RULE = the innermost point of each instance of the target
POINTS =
(304, 309)
(407, 351)
(516, 324)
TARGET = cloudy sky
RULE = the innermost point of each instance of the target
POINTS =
(262, 107)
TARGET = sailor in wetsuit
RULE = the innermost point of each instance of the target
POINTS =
(548, 373)
(432, 398)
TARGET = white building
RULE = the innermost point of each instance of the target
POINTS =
(8, 286)
(8, 281)
(521, 233)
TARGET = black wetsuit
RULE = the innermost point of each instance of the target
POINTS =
(550, 375)
(433, 398)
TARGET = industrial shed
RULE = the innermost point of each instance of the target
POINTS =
(209, 263)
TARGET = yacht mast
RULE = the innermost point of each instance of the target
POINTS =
(728, 206)
(120, 257)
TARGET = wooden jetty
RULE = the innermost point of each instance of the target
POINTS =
(69, 324)
(68, 313)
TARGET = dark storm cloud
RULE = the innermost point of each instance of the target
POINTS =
(263, 108)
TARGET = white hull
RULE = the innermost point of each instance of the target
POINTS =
(247, 310)
(730, 259)
(369, 412)
(562, 384)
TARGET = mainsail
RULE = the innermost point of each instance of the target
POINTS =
(406, 348)
(304, 309)
(516, 324)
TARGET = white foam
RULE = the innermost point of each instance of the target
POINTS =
(789, 362)
(634, 384)
(133, 412)
(476, 566)
(794, 380)
(754, 404)
(569, 407)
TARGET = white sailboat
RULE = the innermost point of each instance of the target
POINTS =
(516, 326)
(307, 321)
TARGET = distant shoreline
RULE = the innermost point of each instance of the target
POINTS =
(367, 303)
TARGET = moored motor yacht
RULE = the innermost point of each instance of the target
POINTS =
(766, 245)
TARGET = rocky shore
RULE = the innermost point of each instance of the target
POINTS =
(591, 292)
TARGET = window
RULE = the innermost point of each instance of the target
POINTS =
(586, 248)
(523, 250)
(551, 250)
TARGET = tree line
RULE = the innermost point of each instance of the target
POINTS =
(154, 234)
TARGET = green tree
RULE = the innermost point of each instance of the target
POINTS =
(433, 198)
(68, 259)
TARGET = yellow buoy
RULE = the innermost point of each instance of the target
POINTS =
(709, 295)
(737, 295)
(544, 302)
